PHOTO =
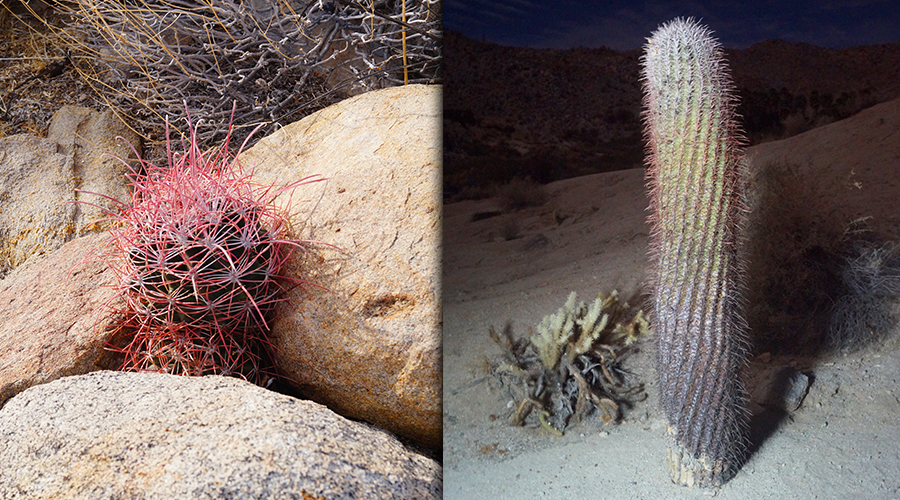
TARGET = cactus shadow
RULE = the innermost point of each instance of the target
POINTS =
(819, 280)
(776, 392)
(764, 422)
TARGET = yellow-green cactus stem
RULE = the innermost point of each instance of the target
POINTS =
(694, 148)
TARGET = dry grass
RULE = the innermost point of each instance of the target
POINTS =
(865, 312)
(521, 193)
(30, 91)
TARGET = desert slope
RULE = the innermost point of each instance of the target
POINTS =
(857, 161)
(553, 114)
(591, 235)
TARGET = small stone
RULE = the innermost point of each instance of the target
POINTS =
(782, 387)
(796, 387)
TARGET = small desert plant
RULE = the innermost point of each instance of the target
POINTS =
(695, 175)
(521, 193)
(572, 365)
(510, 230)
(198, 253)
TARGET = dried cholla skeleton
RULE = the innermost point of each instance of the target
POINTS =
(278, 59)
(572, 365)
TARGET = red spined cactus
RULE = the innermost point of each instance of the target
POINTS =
(198, 253)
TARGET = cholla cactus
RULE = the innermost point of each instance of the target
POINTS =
(694, 146)
(572, 365)
(557, 333)
(198, 254)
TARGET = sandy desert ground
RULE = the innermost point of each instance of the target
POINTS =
(591, 236)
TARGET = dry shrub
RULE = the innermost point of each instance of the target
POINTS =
(277, 59)
(521, 193)
(818, 280)
(510, 230)
(793, 255)
(865, 312)
(572, 366)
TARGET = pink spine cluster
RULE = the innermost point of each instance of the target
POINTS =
(198, 253)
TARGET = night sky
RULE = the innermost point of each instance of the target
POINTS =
(622, 24)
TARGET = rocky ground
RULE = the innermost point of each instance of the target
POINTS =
(363, 337)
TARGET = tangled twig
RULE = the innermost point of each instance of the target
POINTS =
(277, 59)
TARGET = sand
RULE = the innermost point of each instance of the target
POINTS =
(591, 236)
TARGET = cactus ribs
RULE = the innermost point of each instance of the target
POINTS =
(198, 253)
(694, 157)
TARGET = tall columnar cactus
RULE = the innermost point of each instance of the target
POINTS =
(694, 147)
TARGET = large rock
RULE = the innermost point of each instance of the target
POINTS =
(368, 344)
(35, 183)
(97, 142)
(52, 320)
(155, 436)
(39, 176)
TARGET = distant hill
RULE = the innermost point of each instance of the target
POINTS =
(552, 114)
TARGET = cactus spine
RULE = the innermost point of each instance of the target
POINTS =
(694, 147)
(199, 252)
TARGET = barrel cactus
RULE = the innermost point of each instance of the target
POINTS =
(695, 178)
(198, 254)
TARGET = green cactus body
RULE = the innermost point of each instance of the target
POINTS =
(694, 152)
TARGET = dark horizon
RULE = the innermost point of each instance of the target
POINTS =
(621, 25)
(603, 47)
